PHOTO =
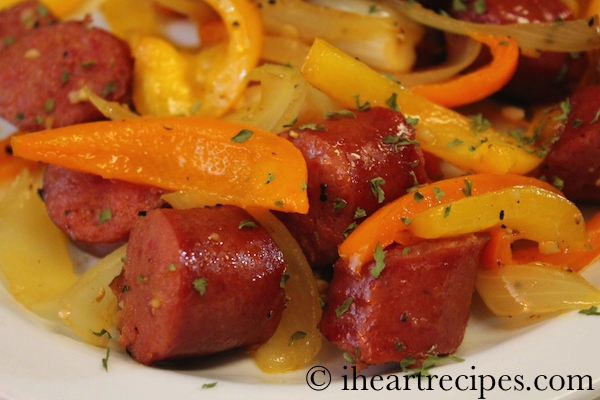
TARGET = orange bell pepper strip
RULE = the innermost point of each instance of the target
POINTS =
(479, 84)
(391, 222)
(453, 137)
(500, 251)
(226, 163)
(11, 166)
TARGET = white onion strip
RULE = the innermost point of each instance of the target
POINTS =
(561, 36)
(462, 51)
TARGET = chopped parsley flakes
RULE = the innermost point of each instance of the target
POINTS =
(242, 136)
(200, 285)
(379, 256)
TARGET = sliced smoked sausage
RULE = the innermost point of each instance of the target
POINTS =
(43, 71)
(96, 213)
(574, 159)
(357, 162)
(418, 306)
(198, 282)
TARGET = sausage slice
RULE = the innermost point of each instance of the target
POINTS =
(198, 282)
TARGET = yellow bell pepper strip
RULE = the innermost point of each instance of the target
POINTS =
(60, 8)
(161, 86)
(534, 289)
(34, 260)
(297, 340)
(226, 163)
(460, 140)
(479, 84)
(169, 81)
(539, 215)
(391, 222)
(118, 15)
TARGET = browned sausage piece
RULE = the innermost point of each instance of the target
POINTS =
(96, 213)
(355, 164)
(198, 282)
(418, 306)
(574, 160)
(43, 71)
(544, 77)
(21, 18)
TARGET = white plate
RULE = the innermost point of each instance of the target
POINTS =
(42, 361)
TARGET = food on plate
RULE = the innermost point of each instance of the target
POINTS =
(411, 303)
(545, 76)
(286, 160)
(357, 160)
(197, 282)
(44, 69)
(20, 19)
(95, 213)
(573, 160)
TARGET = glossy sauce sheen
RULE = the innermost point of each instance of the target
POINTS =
(343, 155)
(195, 284)
(419, 305)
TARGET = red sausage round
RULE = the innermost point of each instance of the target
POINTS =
(198, 282)
(96, 213)
(42, 72)
(418, 306)
(574, 159)
(355, 164)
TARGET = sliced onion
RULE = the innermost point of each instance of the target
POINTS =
(386, 43)
(283, 90)
(284, 50)
(462, 51)
(89, 307)
(110, 109)
(297, 339)
(564, 36)
(534, 289)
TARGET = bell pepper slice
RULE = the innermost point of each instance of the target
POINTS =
(500, 251)
(11, 166)
(224, 162)
(441, 131)
(34, 260)
(479, 84)
(537, 214)
(391, 222)
(169, 81)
